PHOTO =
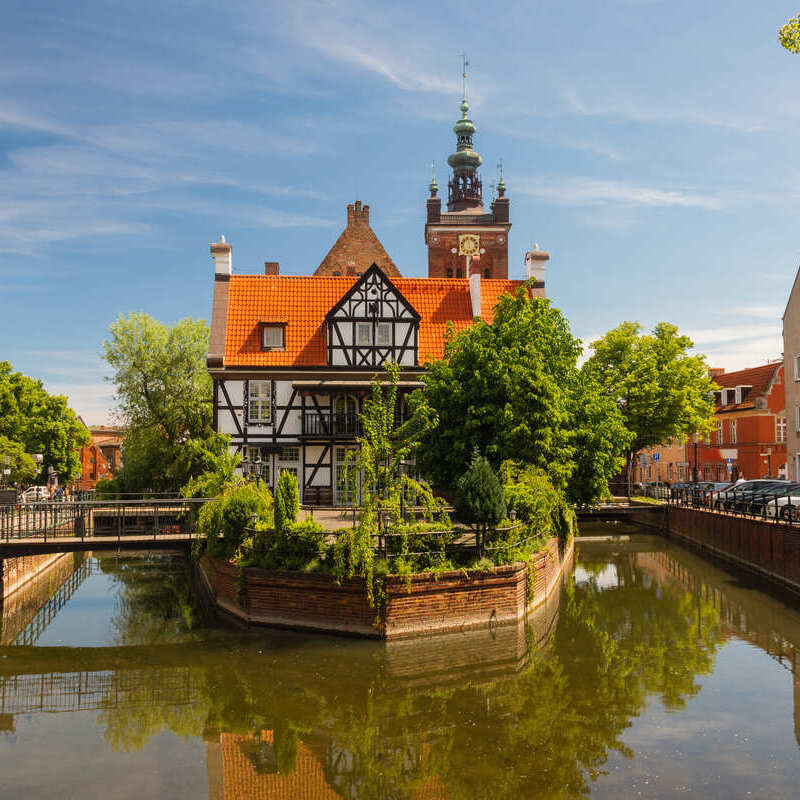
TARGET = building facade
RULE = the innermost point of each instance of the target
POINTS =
(791, 368)
(748, 439)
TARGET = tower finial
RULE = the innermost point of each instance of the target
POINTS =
(501, 184)
(433, 187)
(465, 64)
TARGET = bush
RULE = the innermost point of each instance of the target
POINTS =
(287, 500)
(231, 513)
(480, 500)
(295, 546)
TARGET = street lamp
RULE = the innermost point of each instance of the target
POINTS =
(695, 438)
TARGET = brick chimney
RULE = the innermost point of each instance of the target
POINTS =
(222, 253)
(357, 215)
(272, 268)
(534, 264)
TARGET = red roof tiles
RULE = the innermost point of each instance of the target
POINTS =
(303, 302)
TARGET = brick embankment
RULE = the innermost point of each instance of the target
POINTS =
(451, 601)
(768, 548)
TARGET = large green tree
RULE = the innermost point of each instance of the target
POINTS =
(163, 394)
(513, 390)
(661, 389)
(40, 423)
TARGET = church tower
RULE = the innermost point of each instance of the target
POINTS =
(466, 215)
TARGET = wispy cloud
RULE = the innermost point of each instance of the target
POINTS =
(578, 191)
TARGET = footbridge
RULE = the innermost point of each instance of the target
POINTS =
(63, 527)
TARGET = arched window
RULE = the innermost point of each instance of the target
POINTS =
(345, 414)
(449, 272)
(487, 273)
(459, 273)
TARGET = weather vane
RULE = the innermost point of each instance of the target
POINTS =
(465, 64)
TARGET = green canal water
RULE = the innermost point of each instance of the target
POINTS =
(652, 674)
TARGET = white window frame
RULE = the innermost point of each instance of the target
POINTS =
(780, 429)
(720, 438)
(290, 454)
(797, 418)
(259, 398)
(733, 431)
(277, 343)
(364, 328)
(797, 368)
(383, 330)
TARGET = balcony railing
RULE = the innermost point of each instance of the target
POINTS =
(333, 425)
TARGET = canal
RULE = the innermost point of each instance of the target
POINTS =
(654, 673)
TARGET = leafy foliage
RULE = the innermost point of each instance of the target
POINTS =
(163, 392)
(661, 391)
(231, 513)
(513, 390)
(789, 35)
(40, 423)
(379, 469)
(214, 457)
(295, 545)
(287, 500)
(22, 466)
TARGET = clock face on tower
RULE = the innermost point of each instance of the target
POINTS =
(468, 244)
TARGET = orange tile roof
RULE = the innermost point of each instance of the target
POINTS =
(243, 782)
(303, 302)
(759, 378)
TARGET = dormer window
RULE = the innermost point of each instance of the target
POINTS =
(273, 335)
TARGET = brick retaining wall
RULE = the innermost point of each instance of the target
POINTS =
(451, 601)
(769, 548)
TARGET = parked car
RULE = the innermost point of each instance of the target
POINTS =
(739, 496)
(35, 494)
(762, 499)
(786, 506)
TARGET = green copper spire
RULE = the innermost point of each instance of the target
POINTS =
(465, 185)
(433, 186)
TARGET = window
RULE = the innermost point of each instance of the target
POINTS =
(780, 429)
(797, 418)
(259, 401)
(449, 272)
(719, 431)
(364, 333)
(290, 454)
(487, 273)
(459, 273)
(272, 337)
(384, 333)
(797, 368)
(733, 431)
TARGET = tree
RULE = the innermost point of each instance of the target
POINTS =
(22, 467)
(163, 393)
(41, 423)
(661, 390)
(287, 500)
(513, 390)
(480, 501)
(789, 35)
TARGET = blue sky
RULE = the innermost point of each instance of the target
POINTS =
(651, 147)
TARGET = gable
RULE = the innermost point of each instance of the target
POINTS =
(373, 296)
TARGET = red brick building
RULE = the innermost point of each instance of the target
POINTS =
(103, 457)
(749, 438)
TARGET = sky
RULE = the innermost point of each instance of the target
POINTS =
(650, 147)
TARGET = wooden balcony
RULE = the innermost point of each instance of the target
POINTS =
(331, 426)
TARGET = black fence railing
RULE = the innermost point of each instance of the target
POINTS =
(776, 503)
(321, 424)
(81, 519)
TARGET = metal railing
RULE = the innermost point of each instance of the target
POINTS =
(119, 518)
(777, 504)
(321, 424)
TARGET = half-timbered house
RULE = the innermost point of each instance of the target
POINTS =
(292, 358)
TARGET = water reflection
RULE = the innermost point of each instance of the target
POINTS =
(535, 710)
